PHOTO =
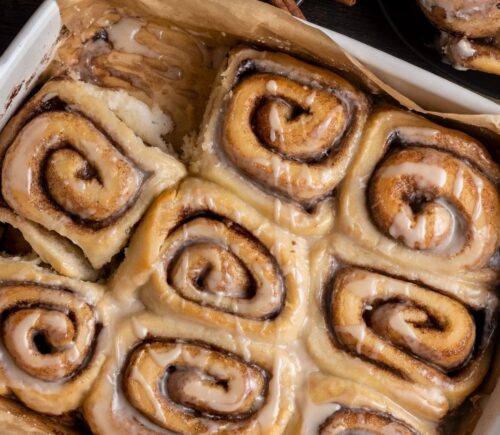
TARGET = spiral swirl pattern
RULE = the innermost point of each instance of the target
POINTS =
(216, 263)
(49, 341)
(71, 165)
(198, 382)
(49, 335)
(211, 257)
(57, 172)
(287, 136)
(416, 339)
(169, 375)
(426, 201)
(431, 200)
(281, 135)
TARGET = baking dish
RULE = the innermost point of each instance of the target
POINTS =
(23, 62)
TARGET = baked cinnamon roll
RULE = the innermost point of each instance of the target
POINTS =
(203, 253)
(280, 133)
(421, 201)
(50, 349)
(165, 69)
(425, 350)
(167, 375)
(471, 32)
(464, 53)
(337, 405)
(72, 166)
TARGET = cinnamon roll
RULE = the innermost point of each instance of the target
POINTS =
(339, 405)
(425, 350)
(464, 53)
(165, 69)
(167, 375)
(425, 203)
(470, 32)
(203, 253)
(72, 166)
(50, 351)
(280, 133)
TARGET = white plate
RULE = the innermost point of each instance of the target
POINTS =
(29, 53)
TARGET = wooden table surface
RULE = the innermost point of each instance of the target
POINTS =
(364, 22)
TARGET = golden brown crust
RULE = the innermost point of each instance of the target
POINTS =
(473, 18)
(466, 53)
(209, 382)
(72, 166)
(280, 133)
(51, 337)
(470, 36)
(426, 205)
(423, 349)
(203, 253)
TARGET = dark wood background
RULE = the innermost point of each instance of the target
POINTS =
(364, 22)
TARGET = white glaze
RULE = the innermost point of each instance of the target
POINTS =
(398, 323)
(268, 292)
(140, 330)
(123, 37)
(268, 413)
(402, 226)
(315, 414)
(310, 98)
(459, 183)
(464, 49)
(425, 174)
(275, 123)
(136, 376)
(478, 207)
(272, 86)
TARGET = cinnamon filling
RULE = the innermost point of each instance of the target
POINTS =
(212, 261)
(173, 383)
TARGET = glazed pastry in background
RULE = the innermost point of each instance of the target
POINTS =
(280, 134)
(72, 165)
(425, 203)
(423, 349)
(202, 253)
(212, 384)
(470, 32)
(342, 406)
(16, 419)
(167, 69)
(467, 54)
(51, 349)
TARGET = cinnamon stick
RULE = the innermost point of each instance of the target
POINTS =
(290, 6)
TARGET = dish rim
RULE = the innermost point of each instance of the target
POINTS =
(28, 54)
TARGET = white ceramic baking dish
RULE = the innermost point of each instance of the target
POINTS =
(29, 53)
